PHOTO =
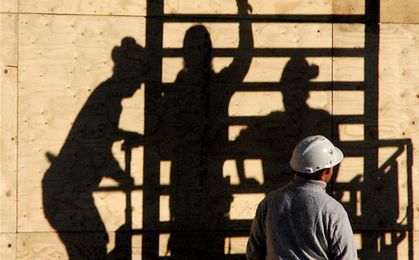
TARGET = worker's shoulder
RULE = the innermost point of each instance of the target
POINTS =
(277, 195)
(333, 207)
(313, 195)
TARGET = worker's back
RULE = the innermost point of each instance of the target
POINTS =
(301, 221)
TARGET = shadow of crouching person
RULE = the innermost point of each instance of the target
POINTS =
(86, 157)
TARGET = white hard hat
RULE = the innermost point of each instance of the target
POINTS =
(315, 153)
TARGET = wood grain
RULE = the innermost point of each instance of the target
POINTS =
(64, 50)
(200, 7)
(8, 246)
(49, 246)
(353, 7)
(8, 122)
(258, 7)
(399, 91)
(9, 6)
(62, 60)
(348, 35)
(95, 7)
(399, 11)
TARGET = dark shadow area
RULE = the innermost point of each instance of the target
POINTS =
(273, 137)
(193, 135)
(196, 122)
(187, 124)
(380, 211)
(86, 157)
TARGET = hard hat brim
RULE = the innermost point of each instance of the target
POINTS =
(337, 156)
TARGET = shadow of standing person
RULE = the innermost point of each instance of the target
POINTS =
(273, 137)
(86, 157)
(193, 133)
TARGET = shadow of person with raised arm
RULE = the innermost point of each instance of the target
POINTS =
(273, 137)
(193, 132)
(86, 157)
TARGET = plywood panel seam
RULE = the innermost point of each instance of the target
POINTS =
(8, 233)
(9, 131)
(17, 127)
(75, 14)
(332, 82)
(3, 12)
(399, 23)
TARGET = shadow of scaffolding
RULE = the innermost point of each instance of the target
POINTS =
(378, 200)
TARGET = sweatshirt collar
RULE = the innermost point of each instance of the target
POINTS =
(301, 181)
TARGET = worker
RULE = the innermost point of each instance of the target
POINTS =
(300, 220)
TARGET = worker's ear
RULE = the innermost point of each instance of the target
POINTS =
(326, 174)
(329, 170)
(323, 174)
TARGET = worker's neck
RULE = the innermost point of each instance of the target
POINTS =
(301, 179)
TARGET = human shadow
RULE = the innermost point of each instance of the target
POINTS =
(272, 138)
(86, 157)
(193, 129)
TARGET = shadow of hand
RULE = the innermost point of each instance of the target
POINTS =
(132, 140)
(126, 183)
(249, 181)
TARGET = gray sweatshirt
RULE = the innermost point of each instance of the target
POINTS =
(301, 221)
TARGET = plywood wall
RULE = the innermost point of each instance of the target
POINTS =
(54, 54)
